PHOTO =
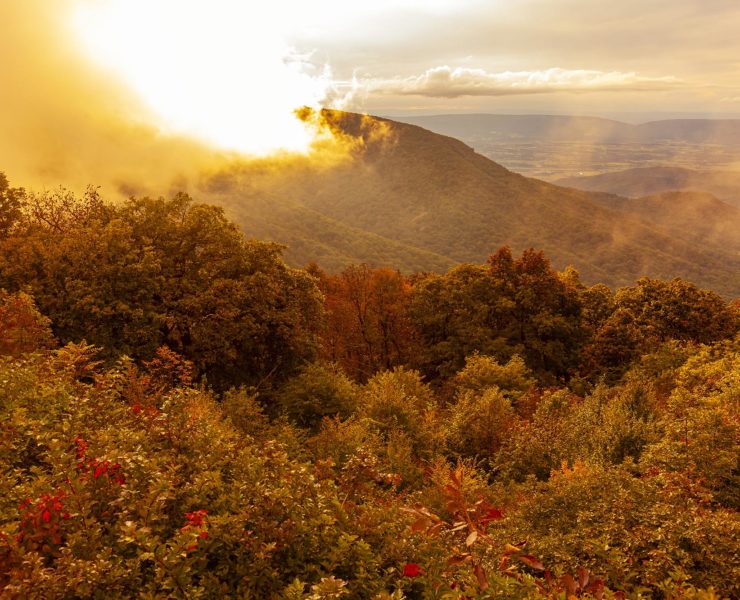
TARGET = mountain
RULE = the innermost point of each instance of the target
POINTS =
(582, 129)
(416, 200)
(696, 216)
(634, 183)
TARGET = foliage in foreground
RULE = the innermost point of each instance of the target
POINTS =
(129, 481)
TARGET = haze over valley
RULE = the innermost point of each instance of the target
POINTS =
(559, 147)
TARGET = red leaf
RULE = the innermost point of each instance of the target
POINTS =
(419, 525)
(492, 514)
(531, 561)
(570, 584)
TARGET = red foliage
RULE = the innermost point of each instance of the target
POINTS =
(195, 518)
(195, 522)
(369, 328)
(41, 525)
(412, 570)
(22, 327)
(97, 468)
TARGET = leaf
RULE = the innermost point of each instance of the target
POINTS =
(459, 559)
(509, 549)
(596, 587)
(420, 525)
(455, 478)
(531, 561)
(480, 575)
(470, 540)
(569, 583)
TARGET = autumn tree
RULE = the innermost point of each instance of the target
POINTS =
(154, 272)
(457, 314)
(544, 309)
(22, 327)
(368, 323)
(648, 314)
(678, 310)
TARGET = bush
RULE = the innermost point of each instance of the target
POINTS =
(319, 390)
(480, 423)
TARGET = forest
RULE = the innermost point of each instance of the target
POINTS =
(183, 415)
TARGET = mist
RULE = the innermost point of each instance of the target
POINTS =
(68, 120)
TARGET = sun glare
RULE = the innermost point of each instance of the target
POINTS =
(212, 70)
(223, 71)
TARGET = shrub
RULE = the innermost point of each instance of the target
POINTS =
(319, 390)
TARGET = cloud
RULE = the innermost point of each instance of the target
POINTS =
(446, 82)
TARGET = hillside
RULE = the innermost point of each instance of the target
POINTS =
(312, 236)
(634, 183)
(698, 215)
(435, 194)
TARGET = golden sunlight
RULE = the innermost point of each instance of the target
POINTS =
(218, 71)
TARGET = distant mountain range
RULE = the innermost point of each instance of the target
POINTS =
(554, 147)
(634, 183)
(419, 201)
(583, 129)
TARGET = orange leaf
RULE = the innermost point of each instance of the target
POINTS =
(480, 575)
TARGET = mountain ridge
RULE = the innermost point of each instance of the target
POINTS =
(570, 128)
(437, 195)
(644, 181)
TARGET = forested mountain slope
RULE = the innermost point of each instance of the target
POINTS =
(699, 215)
(434, 194)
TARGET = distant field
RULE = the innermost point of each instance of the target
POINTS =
(555, 160)
(554, 147)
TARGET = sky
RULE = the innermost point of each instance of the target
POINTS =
(574, 56)
(89, 84)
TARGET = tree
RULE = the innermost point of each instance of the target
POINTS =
(318, 391)
(154, 272)
(512, 306)
(22, 327)
(677, 309)
(368, 323)
(545, 310)
(458, 314)
(11, 201)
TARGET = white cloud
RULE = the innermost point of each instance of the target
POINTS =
(446, 82)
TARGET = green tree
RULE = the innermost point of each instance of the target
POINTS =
(149, 272)
(319, 390)
(677, 309)
(11, 202)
